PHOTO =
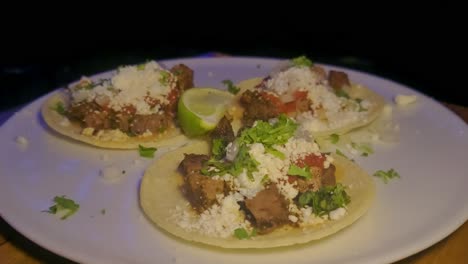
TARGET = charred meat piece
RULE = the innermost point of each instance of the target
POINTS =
(81, 110)
(155, 123)
(338, 79)
(328, 176)
(97, 120)
(303, 105)
(184, 76)
(192, 163)
(320, 177)
(269, 208)
(200, 190)
(319, 71)
(312, 184)
(256, 107)
(223, 131)
(122, 121)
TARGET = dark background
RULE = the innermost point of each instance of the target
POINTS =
(34, 63)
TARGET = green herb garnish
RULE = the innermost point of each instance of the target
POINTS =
(295, 170)
(218, 148)
(164, 80)
(334, 138)
(141, 67)
(342, 93)
(269, 134)
(63, 205)
(241, 233)
(275, 153)
(231, 87)
(302, 61)
(341, 153)
(365, 149)
(387, 176)
(146, 152)
(326, 199)
(60, 108)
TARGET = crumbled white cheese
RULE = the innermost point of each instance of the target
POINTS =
(64, 122)
(308, 218)
(337, 213)
(132, 85)
(402, 99)
(293, 218)
(22, 141)
(218, 221)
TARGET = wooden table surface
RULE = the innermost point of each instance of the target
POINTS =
(17, 249)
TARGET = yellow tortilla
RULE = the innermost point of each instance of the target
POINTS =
(160, 194)
(355, 91)
(114, 139)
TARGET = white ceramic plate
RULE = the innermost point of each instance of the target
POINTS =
(410, 214)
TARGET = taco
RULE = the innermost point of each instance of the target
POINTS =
(137, 105)
(268, 187)
(322, 102)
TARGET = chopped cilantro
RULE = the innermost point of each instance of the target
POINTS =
(342, 93)
(365, 149)
(231, 87)
(298, 171)
(146, 152)
(326, 199)
(141, 67)
(275, 153)
(218, 148)
(60, 108)
(265, 179)
(269, 134)
(302, 61)
(334, 138)
(63, 205)
(164, 80)
(340, 153)
(386, 176)
(241, 233)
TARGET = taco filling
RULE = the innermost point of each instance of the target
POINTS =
(137, 102)
(320, 101)
(267, 183)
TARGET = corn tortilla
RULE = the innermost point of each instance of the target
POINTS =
(112, 139)
(160, 194)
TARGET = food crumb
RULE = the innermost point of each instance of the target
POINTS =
(22, 141)
(402, 99)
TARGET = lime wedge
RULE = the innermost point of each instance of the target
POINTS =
(200, 109)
